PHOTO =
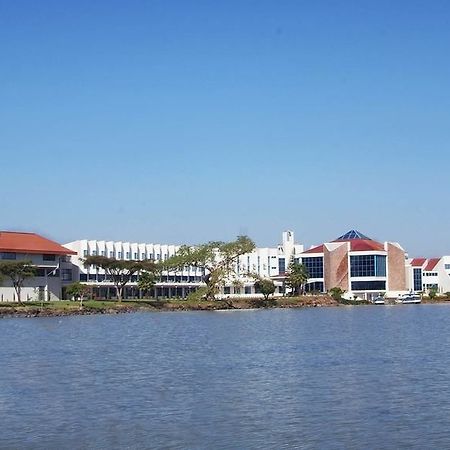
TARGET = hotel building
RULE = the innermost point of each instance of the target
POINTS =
(53, 268)
(353, 262)
(265, 262)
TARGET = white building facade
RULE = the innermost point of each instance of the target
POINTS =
(265, 262)
(424, 274)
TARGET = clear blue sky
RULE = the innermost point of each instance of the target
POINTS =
(185, 121)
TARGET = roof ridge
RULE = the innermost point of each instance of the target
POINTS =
(17, 232)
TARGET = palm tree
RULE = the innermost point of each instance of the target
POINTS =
(297, 277)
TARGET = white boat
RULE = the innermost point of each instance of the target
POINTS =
(410, 298)
(378, 301)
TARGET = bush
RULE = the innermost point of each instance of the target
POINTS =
(336, 293)
(198, 295)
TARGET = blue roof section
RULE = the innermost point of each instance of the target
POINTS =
(352, 234)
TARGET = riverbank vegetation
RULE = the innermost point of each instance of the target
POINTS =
(64, 308)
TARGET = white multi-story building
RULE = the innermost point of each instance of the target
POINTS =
(264, 262)
(424, 274)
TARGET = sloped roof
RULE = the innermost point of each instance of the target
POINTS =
(364, 245)
(418, 262)
(318, 249)
(19, 242)
(358, 243)
(432, 263)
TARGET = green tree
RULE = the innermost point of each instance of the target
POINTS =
(297, 277)
(17, 272)
(120, 271)
(265, 286)
(147, 281)
(78, 291)
(432, 293)
(218, 259)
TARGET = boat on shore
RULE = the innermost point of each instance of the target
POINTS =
(409, 299)
(378, 300)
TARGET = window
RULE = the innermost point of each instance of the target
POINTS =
(417, 279)
(248, 289)
(136, 256)
(83, 277)
(281, 265)
(226, 290)
(94, 252)
(8, 255)
(314, 266)
(120, 255)
(66, 274)
(368, 266)
(237, 290)
(315, 286)
(85, 253)
(49, 257)
(368, 285)
(112, 255)
(447, 266)
(128, 255)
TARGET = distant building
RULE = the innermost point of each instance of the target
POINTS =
(267, 262)
(433, 273)
(50, 259)
(357, 264)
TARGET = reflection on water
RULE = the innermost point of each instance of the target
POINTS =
(363, 377)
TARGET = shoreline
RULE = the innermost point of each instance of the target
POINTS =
(94, 307)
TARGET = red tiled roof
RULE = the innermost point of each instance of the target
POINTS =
(356, 245)
(432, 262)
(18, 242)
(363, 245)
(318, 249)
(418, 262)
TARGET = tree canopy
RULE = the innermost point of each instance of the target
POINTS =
(265, 286)
(78, 291)
(17, 272)
(147, 281)
(218, 259)
(120, 271)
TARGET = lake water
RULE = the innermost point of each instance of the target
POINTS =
(323, 378)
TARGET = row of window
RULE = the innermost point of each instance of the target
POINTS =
(127, 255)
(227, 290)
(368, 266)
(314, 266)
(66, 274)
(368, 285)
(98, 277)
(12, 256)
(430, 274)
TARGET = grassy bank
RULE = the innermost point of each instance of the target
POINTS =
(66, 308)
